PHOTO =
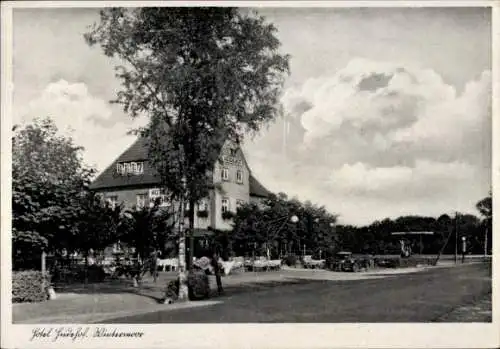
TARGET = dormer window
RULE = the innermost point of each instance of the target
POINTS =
(133, 167)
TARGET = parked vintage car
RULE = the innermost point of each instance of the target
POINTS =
(344, 261)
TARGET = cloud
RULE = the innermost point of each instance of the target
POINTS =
(427, 179)
(82, 116)
(395, 137)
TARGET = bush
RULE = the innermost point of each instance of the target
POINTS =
(198, 286)
(226, 215)
(27, 286)
(290, 260)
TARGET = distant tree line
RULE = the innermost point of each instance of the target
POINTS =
(316, 228)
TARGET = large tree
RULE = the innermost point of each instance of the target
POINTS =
(203, 76)
(270, 225)
(485, 207)
(48, 182)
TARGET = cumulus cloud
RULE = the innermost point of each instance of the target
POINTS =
(88, 119)
(383, 132)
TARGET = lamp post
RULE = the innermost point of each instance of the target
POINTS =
(464, 248)
(294, 219)
(332, 226)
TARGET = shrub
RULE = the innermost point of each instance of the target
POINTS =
(27, 286)
(290, 260)
(226, 215)
(198, 286)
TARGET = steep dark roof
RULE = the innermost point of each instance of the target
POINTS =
(257, 189)
(109, 178)
(138, 151)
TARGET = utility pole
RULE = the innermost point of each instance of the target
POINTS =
(486, 242)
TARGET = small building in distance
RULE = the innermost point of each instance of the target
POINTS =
(132, 181)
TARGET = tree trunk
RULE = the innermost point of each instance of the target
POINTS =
(183, 288)
(86, 278)
(191, 233)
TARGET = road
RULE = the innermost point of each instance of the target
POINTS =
(419, 297)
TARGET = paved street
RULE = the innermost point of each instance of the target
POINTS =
(418, 297)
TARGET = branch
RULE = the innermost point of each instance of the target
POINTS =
(143, 81)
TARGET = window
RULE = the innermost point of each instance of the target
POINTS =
(154, 193)
(225, 205)
(225, 174)
(112, 201)
(158, 194)
(202, 205)
(130, 168)
(164, 202)
(239, 176)
(141, 200)
(140, 168)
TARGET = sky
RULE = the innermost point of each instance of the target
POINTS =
(389, 109)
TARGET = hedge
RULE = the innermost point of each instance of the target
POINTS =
(27, 286)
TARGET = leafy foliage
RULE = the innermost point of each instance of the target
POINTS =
(484, 207)
(27, 286)
(48, 181)
(146, 229)
(99, 224)
(256, 225)
(198, 286)
(203, 76)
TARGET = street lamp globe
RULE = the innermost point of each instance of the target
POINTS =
(332, 224)
(294, 219)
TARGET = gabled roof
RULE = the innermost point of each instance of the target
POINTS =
(138, 151)
(109, 178)
(257, 189)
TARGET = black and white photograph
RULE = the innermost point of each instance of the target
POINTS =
(228, 163)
